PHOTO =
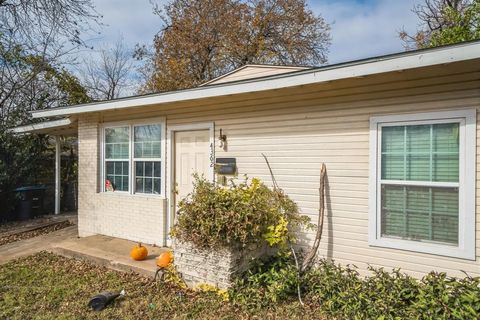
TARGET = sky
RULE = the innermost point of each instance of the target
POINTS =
(359, 28)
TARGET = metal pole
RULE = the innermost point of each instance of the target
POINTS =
(57, 174)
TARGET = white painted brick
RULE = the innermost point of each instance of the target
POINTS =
(124, 216)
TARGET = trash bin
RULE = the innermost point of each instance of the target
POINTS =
(30, 202)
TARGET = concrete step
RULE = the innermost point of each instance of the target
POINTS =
(110, 252)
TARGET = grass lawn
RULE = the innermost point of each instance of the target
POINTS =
(46, 286)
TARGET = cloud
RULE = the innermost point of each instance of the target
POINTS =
(132, 20)
(362, 29)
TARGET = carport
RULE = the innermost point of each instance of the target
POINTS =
(57, 129)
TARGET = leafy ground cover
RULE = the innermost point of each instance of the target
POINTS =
(12, 237)
(46, 286)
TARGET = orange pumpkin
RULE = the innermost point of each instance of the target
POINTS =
(139, 252)
(165, 259)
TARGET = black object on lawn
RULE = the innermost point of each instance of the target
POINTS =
(101, 300)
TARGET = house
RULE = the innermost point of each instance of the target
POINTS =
(397, 133)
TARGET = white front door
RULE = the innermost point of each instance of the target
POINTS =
(192, 155)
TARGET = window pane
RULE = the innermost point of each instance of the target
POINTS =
(157, 169)
(393, 167)
(392, 223)
(139, 168)
(139, 185)
(110, 167)
(418, 167)
(147, 141)
(148, 185)
(446, 148)
(393, 153)
(393, 139)
(116, 135)
(117, 174)
(118, 168)
(420, 213)
(148, 169)
(156, 186)
(421, 152)
(148, 177)
(116, 143)
(445, 220)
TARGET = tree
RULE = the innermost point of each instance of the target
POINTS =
(202, 39)
(36, 37)
(110, 74)
(27, 159)
(444, 22)
(36, 40)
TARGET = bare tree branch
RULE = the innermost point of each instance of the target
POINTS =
(109, 75)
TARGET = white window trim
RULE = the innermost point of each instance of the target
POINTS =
(468, 128)
(131, 187)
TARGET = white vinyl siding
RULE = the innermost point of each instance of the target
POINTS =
(297, 129)
(420, 182)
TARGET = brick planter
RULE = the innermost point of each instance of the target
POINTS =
(215, 267)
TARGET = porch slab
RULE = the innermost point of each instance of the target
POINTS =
(113, 253)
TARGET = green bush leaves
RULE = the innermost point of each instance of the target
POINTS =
(216, 216)
(342, 293)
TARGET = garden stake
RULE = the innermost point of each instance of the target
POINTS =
(275, 187)
(310, 258)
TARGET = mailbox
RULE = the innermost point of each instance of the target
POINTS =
(226, 166)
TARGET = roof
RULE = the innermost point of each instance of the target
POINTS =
(53, 127)
(360, 68)
(251, 71)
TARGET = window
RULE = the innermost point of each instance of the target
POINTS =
(147, 143)
(134, 150)
(117, 157)
(423, 183)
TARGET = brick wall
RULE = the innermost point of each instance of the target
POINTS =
(133, 217)
(215, 267)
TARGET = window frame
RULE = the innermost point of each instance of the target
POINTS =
(466, 184)
(131, 159)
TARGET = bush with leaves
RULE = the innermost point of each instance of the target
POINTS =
(341, 292)
(266, 282)
(233, 217)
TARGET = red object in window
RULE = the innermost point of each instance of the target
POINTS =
(108, 185)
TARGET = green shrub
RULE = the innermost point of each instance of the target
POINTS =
(266, 282)
(341, 292)
(441, 297)
(235, 216)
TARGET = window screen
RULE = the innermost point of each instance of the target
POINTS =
(419, 182)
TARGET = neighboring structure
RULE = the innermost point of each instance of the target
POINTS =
(397, 133)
